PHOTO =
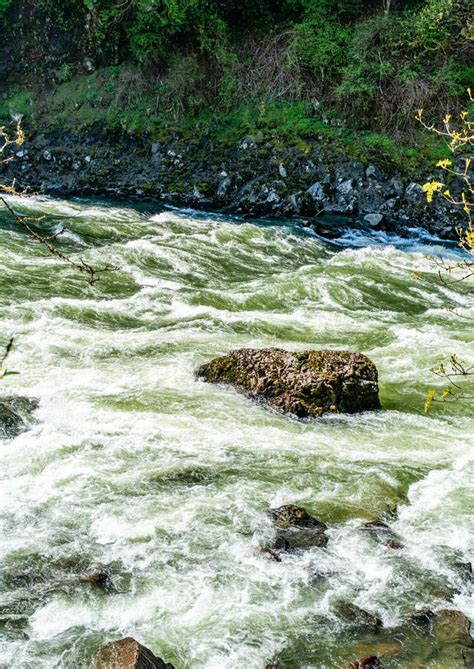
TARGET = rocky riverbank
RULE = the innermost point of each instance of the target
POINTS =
(256, 177)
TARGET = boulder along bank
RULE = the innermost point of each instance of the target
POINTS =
(257, 177)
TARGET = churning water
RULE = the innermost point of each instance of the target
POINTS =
(132, 463)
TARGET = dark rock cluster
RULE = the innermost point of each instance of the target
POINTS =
(254, 178)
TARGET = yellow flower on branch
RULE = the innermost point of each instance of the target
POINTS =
(431, 188)
(444, 163)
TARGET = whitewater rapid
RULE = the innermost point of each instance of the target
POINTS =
(131, 462)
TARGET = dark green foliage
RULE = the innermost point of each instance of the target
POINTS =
(291, 68)
(4, 5)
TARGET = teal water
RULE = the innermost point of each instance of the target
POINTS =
(132, 463)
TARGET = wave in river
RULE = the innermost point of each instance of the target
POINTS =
(132, 463)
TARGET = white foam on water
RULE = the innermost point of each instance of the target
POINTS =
(132, 461)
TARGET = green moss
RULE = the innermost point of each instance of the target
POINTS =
(17, 102)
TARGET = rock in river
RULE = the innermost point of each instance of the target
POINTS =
(129, 654)
(370, 662)
(296, 528)
(305, 383)
(451, 626)
(15, 412)
(357, 616)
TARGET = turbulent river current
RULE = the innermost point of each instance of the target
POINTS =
(131, 462)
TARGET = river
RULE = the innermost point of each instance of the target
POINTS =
(130, 462)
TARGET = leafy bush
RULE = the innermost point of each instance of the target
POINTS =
(346, 61)
(4, 5)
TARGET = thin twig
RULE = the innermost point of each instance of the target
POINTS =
(82, 266)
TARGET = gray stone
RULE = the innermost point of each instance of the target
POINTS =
(316, 191)
(273, 197)
(373, 219)
(345, 187)
(414, 193)
(357, 616)
(297, 529)
(373, 172)
(224, 187)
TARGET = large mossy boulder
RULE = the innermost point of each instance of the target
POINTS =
(129, 654)
(305, 384)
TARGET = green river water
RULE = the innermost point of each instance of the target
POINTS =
(133, 463)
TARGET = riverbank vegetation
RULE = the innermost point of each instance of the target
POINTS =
(287, 69)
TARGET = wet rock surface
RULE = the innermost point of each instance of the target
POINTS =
(252, 178)
(370, 662)
(129, 654)
(15, 414)
(357, 616)
(419, 617)
(296, 529)
(304, 384)
(450, 626)
(98, 576)
(383, 533)
(468, 657)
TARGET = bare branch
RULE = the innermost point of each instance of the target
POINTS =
(82, 266)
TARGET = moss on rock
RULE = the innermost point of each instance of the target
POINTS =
(305, 384)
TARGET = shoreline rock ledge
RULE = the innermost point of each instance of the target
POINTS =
(306, 384)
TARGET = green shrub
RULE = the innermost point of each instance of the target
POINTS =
(4, 5)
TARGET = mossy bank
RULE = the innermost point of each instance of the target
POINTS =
(282, 109)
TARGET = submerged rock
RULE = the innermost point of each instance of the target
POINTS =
(468, 657)
(129, 654)
(463, 570)
(99, 576)
(14, 414)
(451, 626)
(383, 533)
(419, 617)
(296, 528)
(354, 614)
(305, 384)
(370, 662)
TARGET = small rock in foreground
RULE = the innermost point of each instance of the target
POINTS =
(305, 383)
(129, 654)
